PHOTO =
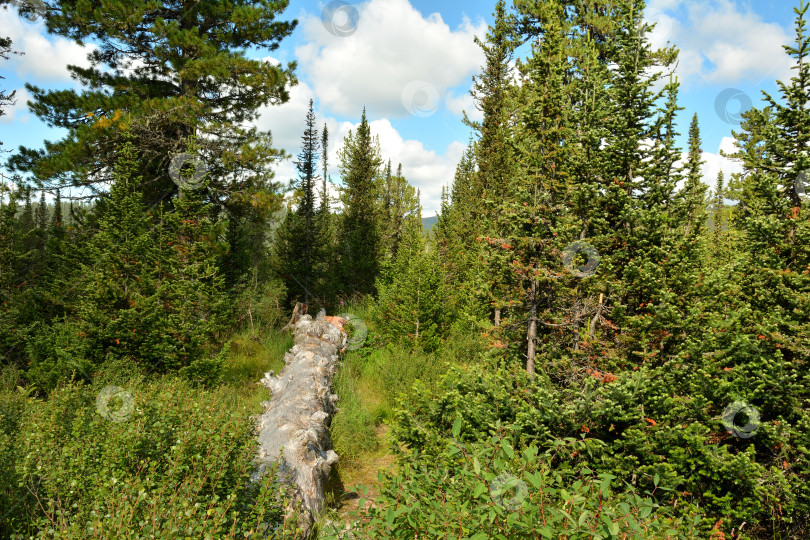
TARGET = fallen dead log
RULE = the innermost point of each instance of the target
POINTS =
(299, 311)
(294, 428)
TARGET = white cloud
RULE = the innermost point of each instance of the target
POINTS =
(392, 46)
(715, 163)
(458, 105)
(44, 57)
(721, 41)
(19, 111)
(424, 169)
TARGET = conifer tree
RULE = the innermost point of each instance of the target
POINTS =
(774, 287)
(41, 217)
(10, 245)
(719, 204)
(116, 307)
(150, 293)
(693, 194)
(412, 300)
(491, 91)
(162, 72)
(326, 229)
(192, 306)
(27, 221)
(359, 236)
(6, 98)
(299, 245)
(461, 254)
(399, 204)
(56, 218)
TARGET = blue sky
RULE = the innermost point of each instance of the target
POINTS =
(410, 62)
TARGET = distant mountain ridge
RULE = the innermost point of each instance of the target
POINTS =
(429, 222)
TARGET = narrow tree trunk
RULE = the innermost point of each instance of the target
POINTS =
(532, 332)
(497, 317)
(596, 317)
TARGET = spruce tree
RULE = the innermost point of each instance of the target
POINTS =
(192, 309)
(399, 204)
(10, 280)
(491, 91)
(57, 218)
(299, 246)
(719, 204)
(412, 300)
(774, 287)
(693, 194)
(359, 236)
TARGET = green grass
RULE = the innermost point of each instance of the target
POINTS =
(371, 380)
(248, 359)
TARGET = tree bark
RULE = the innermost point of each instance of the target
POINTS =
(531, 334)
(294, 428)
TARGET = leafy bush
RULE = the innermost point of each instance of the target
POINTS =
(489, 490)
(138, 459)
(661, 421)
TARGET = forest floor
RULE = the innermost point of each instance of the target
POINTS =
(345, 494)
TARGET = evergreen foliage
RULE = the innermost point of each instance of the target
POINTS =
(585, 322)
(412, 299)
(359, 243)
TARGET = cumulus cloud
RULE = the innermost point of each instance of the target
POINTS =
(45, 58)
(720, 41)
(425, 169)
(391, 47)
(458, 105)
(19, 111)
(714, 163)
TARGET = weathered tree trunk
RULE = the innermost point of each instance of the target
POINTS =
(298, 415)
(531, 334)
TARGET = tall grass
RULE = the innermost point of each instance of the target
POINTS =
(248, 359)
(371, 380)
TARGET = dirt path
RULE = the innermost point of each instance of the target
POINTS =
(365, 473)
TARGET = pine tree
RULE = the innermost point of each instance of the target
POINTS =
(299, 246)
(192, 79)
(359, 236)
(412, 300)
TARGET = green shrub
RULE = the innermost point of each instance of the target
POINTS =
(140, 459)
(489, 490)
(658, 421)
